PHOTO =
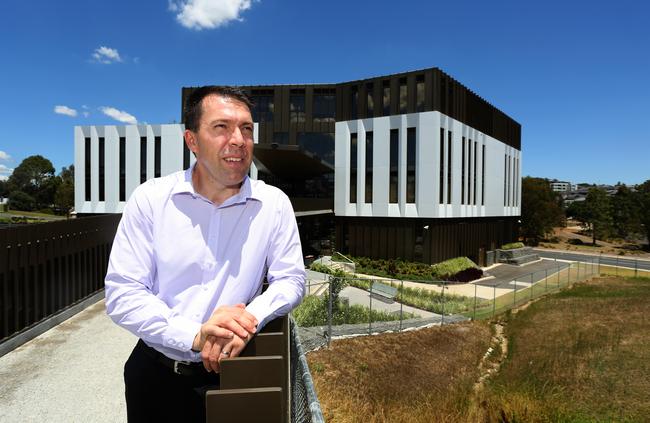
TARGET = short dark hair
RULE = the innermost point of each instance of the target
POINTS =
(193, 109)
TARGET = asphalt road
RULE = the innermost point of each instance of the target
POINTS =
(630, 263)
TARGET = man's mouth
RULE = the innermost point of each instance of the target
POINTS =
(233, 159)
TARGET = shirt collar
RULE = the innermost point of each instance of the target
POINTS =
(246, 192)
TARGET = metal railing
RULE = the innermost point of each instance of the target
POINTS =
(46, 268)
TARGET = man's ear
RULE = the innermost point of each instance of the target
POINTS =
(190, 141)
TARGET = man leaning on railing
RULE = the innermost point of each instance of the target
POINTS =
(189, 257)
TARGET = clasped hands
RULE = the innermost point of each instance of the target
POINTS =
(224, 335)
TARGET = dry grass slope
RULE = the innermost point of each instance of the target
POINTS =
(581, 355)
(420, 376)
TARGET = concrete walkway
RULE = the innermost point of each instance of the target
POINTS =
(361, 297)
(71, 373)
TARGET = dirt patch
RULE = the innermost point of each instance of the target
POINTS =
(572, 238)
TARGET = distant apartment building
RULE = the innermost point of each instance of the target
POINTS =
(560, 186)
(412, 165)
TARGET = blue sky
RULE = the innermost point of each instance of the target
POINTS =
(576, 75)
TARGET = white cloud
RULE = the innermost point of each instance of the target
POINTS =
(5, 172)
(106, 55)
(119, 115)
(207, 14)
(65, 110)
(4, 156)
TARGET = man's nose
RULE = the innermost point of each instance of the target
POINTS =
(237, 138)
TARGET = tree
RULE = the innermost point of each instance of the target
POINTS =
(4, 189)
(625, 212)
(597, 213)
(64, 197)
(19, 200)
(643, 201)
(35, 177)
(540, 209)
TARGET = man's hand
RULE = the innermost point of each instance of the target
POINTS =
(217, 349)
(225, 323)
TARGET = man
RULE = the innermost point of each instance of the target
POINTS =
(188, 261)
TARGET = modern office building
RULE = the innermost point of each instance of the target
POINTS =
(412, 165)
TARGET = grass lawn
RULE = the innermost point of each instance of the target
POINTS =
(579, 355)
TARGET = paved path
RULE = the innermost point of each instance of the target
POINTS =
(630, 263)
(361, 297)
(71, 373)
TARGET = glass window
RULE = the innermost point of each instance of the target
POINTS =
(102, 180)
(483, 175)
(319, 144)
(324, 106)
(354, 102)
(370, 103)
(386, 97)
(87, 168)
(353, 168)
(394, 165)
(449, 190)
(462, 172)
(369, 166)
(419, 93)
(263, 105)
(474, 175)
(441, 198)
(122, 168)
(143, 159)
(281, 138)
(411, 167)
(156, 157)
(297, 106)
(403, 102)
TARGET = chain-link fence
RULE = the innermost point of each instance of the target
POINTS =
(339, 306)
(305, 407)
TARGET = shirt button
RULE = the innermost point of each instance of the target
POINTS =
(205, 288)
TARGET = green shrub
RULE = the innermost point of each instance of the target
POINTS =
(313, 312)
(513, 245)
(449, 268)
(398, 268)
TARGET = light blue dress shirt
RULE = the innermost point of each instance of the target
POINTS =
(177, 256)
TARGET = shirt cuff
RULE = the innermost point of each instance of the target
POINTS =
(180, 333)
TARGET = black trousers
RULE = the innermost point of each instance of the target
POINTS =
(154, 393)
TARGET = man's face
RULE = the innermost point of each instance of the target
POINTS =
(223, 142)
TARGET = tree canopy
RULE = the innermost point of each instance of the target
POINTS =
(541, 209)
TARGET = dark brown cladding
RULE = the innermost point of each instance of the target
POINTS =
(409, 92)
(426, 90)
(424, 240)
(285, 112)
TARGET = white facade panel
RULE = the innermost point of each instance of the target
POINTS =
(171, 160)
(493, 191)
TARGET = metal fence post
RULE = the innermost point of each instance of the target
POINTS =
(532, 283)
(329, 311)
(401, 306)
(578, 277)
(474, 316)
(514, 294)
(442, 319)
(617, 266)
(599, 259)
(558, 276)
(546, 281)
(636, 267)
(494, 300)
(370, 312)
